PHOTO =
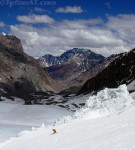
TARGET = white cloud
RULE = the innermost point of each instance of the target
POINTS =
(2, 24)
(114, 36)
(124, 25)
(35, 19)
(70, 9)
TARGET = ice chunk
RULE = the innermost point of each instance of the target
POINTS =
(105, 102)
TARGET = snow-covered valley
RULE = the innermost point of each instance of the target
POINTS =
(16, 117)
(106, 122)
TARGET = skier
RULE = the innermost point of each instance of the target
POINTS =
(54, 131)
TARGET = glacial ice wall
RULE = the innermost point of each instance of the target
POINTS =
(106, 102)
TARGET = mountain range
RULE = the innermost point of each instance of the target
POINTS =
(84, 58)
(74, 67)
(77, 71)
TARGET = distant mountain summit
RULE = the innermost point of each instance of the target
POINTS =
(70, 64)
(84, 58)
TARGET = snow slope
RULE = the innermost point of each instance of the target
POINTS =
(16, 117)
(105, 123)
(132, 95)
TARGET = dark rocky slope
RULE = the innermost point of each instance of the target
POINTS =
(19, 73)
(71, 64)
(76, 83)
(120, 71)
(90, 73)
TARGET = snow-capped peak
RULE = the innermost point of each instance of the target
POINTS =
(85, 57)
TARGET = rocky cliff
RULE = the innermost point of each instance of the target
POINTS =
(20, 73)
(120, 71)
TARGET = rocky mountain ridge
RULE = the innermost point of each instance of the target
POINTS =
(71, 64)
(19, 73)
(84, 58)
(120, 71)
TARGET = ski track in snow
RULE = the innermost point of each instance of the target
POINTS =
(105, 123)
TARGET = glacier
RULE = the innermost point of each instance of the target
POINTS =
(105, 122)
(104, 103)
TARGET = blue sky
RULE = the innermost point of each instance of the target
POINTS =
(104, 26)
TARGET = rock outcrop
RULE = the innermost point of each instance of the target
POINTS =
(20, 73)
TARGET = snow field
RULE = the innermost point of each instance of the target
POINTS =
(105, 123)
